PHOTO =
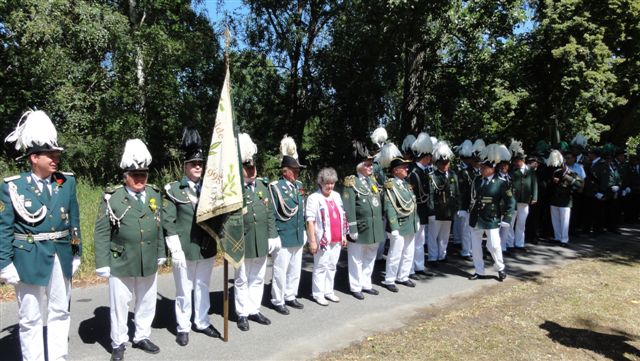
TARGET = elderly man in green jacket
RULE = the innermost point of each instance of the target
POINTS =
(525, 190)
(40, 238)
(129, 246)
(192, 249)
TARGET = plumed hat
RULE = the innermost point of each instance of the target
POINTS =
(555, 159)
(493, 154)
(360, 151)
(478, 147)
(390, 156)
(136, 156)
(465, 149)
(579, 141)
(35, 133)
(442, 152)
(407, 143)
(516, 149)
(248, 149)
(289, 153)
(191, 145)
(379, 137)
(422, 146)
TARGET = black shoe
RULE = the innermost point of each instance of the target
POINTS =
(260, 318)
(182, 338)
(391, 288)
(564, 244)
(243, 323)
(414, 276)
(294, 303)
(281, 309)
(432, 264)
(424, 274)
(444, 260)
(117, 354)
(371, 291)
(209, 331)
(502, 275)
(358, 295)
(146, 346)
(475, 276)
(408, 283)
(520, 249)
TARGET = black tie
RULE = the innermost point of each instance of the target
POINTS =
(197, 187)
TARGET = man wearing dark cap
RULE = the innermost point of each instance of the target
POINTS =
(525, 191)
(192, 249)
(287, 195)
(129, 247)
(40, 239)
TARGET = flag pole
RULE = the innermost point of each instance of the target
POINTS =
(225, 288)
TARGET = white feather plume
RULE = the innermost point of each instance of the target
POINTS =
(408, 142)
(136, 155)
(434, 140)
(505, 153)
(442, 151)
(422, 145)
(247, 147)
(478, 145)
(579, 140)
(555, 159)
(465, 149)
(495, 153)
(516, 147)
(379, 136)
(388, 152)
(288, 147)
(33, 128)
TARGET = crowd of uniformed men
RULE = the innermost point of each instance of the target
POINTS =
(411, 197)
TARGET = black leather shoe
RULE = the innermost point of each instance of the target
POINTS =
(408, 283)
(502, 275)
(117, 354)
(209, 331)
(294, 303)
(371, 291)
(391, 288)
(414, 276)
(243, 324)
(358, 295)
(424, 274)
(281, 309)
(520, 249)
(182, 338)
(146, 346)
(260, 318)
(475, 276)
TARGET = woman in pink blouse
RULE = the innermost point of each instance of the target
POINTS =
(326, 235)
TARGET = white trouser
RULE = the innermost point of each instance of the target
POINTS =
(418, 255)
(324, 269)
(362, 259)
(560, 220)
(493, 245)
(465, 234)
(121, 290)
(287, 262)
(380, 253)
(507, 236)
(457, 230)
(54, 298)
(249, 285)
(399, 258)
(195, 277)
(438, 239)
(522, 212)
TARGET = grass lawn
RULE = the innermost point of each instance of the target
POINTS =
(586, 310)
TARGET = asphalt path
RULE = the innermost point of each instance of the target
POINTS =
(302, 334)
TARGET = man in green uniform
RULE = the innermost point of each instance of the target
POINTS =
(468, 169)
(260, 239)
(525, 190)
(40, 238)
(362, 204)
(420, 184)
(562, 184)
(608, 188)
(491, 207)
(402, 220)
(192, 249)
(129, 246)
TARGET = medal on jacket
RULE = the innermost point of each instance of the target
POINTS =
(63, 215)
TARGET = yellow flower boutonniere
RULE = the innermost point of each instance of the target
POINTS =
(153, 205)
(374, 188)
(259, 194)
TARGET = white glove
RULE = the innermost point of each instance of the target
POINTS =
(354, 236)
(275, 244)
(395, 233)
(103, 272)
(432, 219)
(304, 235)
(173, 243)
(615, 189)
(626, 191)
(504, 224)
(75, 264)
(178, 259)
(9, 274)
(461, 213)
(599, 196)
(161, 261)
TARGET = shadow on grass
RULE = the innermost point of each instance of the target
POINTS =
(611, 346)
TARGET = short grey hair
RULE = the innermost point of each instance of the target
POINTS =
(327, 175)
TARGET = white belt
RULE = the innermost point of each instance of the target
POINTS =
(41, 236)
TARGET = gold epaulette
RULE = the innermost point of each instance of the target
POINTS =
(112, 189)
(349, 181)
(154, 187)
(388, 184)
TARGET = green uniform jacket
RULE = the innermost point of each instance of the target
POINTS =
(363, 206)
(466, 176)
(492, 203)
(525, 186)
(179, 218)
(400, 207)
(288, 208)
(444, 195)
(561, 192)
(131, 245)
(421, 184)
(34, 259)
(605, 177)
(259, 221)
